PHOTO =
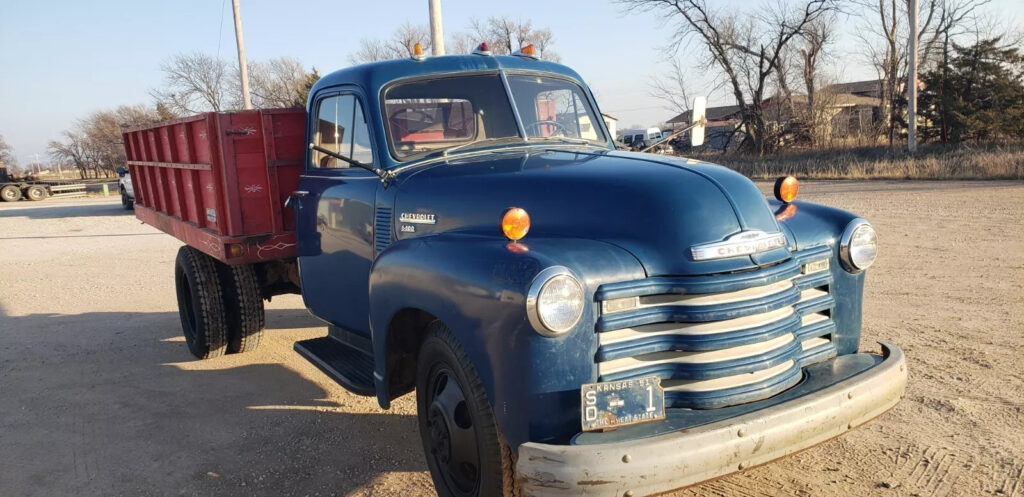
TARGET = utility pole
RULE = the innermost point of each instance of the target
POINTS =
(436, 31)
(39, 168)
(242, 68)
(912, 79)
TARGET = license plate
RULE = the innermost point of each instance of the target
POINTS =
(612, 404)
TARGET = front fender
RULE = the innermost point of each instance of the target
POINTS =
(813, 225)
(477, 286)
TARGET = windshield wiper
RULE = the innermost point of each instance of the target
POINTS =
(566, 139)
(479, 142)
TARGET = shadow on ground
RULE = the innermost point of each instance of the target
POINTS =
(110, 403)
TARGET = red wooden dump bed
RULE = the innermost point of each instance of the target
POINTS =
(218, 181)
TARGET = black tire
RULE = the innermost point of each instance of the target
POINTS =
(10, 193)
(469, 460)
(200, 305)
(127, 202)
(36, 193)
(243, 303)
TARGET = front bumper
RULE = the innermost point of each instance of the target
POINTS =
(669, 461)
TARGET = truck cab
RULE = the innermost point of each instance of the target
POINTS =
(468, 230)
(573, 319)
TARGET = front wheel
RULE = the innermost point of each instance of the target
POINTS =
(127, 201)
(460, 437)
(10, 193)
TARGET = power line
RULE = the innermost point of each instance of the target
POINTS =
(220, 32)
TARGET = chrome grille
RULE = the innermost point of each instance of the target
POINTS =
(720, 340)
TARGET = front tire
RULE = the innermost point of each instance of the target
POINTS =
(200, 304)
(127, 202)
(10, 193)
(460, 437)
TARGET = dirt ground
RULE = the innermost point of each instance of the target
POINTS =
(99, 396)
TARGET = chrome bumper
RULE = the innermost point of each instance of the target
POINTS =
(666, 462)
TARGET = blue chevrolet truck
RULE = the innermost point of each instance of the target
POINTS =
(573, 319)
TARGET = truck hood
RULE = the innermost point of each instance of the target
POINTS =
(653, 206)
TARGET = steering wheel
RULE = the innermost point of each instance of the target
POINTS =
(424, 117)
(561, 127)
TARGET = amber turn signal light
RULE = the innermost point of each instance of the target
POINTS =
(515, 224)
(786, 188)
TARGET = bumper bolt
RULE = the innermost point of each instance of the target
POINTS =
(629, 493)
(626, 458)
(742, 432)
(849, 395)
(741, 466)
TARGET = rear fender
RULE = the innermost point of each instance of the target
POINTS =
(477, 285)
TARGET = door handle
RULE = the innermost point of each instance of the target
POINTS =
(300, 193)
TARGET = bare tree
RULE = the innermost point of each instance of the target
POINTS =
(814, 42)
(370, 50)
(884, 44)
(746, 48)
(94, 145)
(400, 45)
(278, 83)
(505, 35)
(671, 88)
(7, 153)
(195, 82)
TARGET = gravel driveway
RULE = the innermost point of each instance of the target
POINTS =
(99, 396)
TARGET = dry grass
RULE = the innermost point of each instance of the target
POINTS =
(933, 161)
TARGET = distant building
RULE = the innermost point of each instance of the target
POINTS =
(870, 88)
(855, 110)
(612, 123)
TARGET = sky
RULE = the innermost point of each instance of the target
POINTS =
(62, 59)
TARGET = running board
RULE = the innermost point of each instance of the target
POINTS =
(350, 367)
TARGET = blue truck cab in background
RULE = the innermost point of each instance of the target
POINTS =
(573, 319)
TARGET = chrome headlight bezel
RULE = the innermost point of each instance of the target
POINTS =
(845, 249)
(533, 298)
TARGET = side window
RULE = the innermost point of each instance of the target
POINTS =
(341, 127)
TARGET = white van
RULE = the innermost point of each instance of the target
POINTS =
(639, 138)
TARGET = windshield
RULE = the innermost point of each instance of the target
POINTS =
(428, 115)
(464, 112)
(553, 107)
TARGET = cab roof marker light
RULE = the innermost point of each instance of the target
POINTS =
(527, 52)
(482, 49)
(417, 52)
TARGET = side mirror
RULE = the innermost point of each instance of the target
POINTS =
(699, 120)
(121, 172)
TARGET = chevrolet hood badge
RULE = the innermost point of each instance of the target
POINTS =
(740, 244)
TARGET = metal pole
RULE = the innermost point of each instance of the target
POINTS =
(912, 80)
(242, 68)
(436, 31)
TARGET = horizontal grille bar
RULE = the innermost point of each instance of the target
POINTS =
(720, 340)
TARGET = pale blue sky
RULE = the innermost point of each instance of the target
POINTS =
(61, 59)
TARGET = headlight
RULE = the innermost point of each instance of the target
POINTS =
(555, 301)
(858, 246)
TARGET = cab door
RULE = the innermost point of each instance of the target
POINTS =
(336, 212)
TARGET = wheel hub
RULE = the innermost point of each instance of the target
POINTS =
(453, 443)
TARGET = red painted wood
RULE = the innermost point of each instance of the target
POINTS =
(221, 179)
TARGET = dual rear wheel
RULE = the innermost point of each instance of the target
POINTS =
(220, 306)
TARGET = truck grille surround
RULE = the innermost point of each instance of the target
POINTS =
(720, 340)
